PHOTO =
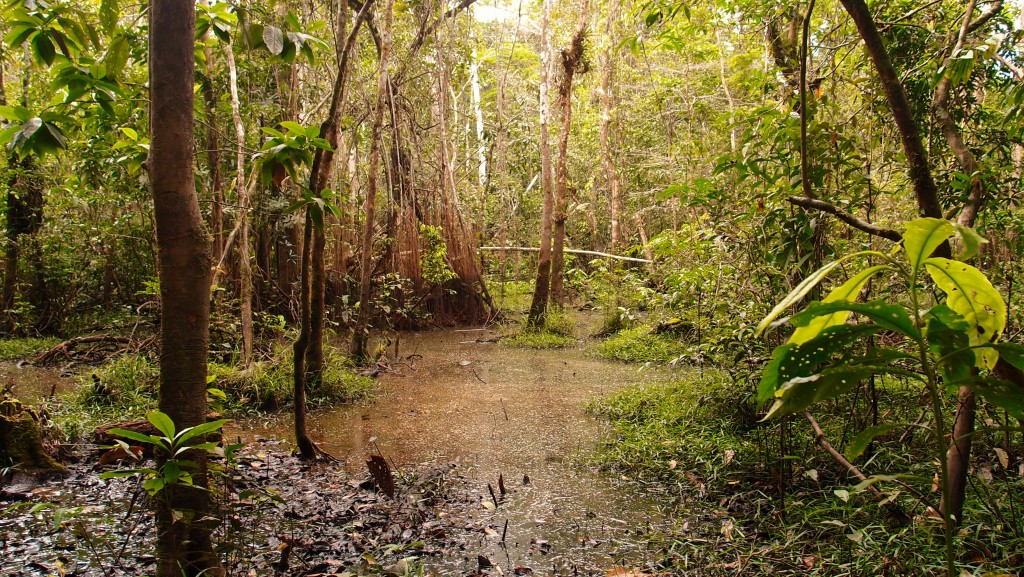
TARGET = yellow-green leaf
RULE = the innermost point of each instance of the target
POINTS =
(848, 291)
(969, 293)
(923, 236)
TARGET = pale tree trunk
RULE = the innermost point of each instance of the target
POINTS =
(213, 154)
(244, 261)
(481, 146)
(539, 305)
(184, 258)
(360, 333)
(607, 122)
(572, 63)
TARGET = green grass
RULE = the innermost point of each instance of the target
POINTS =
(639, 345)
(16, 349)
(128, 389)
(558, 332)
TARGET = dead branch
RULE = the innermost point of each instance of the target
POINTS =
(568, 250)
(846, 217)
(67, 349)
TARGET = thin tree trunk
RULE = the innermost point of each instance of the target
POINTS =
(360, 333)
(539, 305)
(184, 546)
(572, 63)
(607, 122)
(244, 261)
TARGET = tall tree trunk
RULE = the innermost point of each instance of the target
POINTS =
(213, 153)
(607, 81)
(541, 290)
(360, 333)
(572, 63)
(185, 259)
(244, 261)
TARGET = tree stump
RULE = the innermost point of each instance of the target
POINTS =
(21, 440)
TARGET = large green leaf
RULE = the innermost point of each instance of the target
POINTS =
(795, 360)
(971, 240)
(969, 293)
(1000, 392)
(801, 392)
(796, 294)
(274, 39)
(162, 422)
(202, 429)
(885, 315)
(947, 333)
(923, 236)
(848, 291)
(1012, 353)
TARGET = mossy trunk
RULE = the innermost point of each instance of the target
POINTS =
(21, 441)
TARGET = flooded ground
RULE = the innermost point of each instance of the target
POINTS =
(517, 415)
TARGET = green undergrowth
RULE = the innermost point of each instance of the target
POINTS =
(558, 332)
(125, 388)
(16, 349)
(765, 498)
(641, 345)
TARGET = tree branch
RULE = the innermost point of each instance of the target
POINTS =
(846, 217)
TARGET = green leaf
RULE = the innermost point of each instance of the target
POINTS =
(972, 242)
(859, 444)
(274, 39)
(801, 392)
(796, 294)
(888, 316)
(292, 126)
(969, 293)
(43, 48)
(947, 334)
(202, 429)
(162, 422)
(796, 360)
(848, 291)
(923, 236)
(134, 435)
(121, 473)
(171, 472)
(1000, 392)
(1012, 353)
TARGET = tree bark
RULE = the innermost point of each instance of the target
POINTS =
(360, 334)
(244, 261)
(572, 63)
(185, 259)
(541, 290)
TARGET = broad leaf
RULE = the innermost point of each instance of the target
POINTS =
(947, 334)
(798, 293)
(202, 429)
(885, 315)
(1000, 392)
(1012, 353)
(859, 444)
(848, 291)
(795, 360)
(134, 435)
(801, 392)
(274, 39)
(162, 422)
(923, 236)
(969, 293)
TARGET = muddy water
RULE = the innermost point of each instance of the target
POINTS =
(31, 384)
(516, 413)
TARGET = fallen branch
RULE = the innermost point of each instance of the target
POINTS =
(65, 349)
(819, 437)
(570, 251)
(846, 217)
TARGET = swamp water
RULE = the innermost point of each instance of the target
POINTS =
(491, 411)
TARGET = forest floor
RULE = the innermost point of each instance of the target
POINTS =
(489, 446)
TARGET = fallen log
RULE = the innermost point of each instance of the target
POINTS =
(570, 251)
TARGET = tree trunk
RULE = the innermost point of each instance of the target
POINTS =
(572, 63)
(360, 333)
(607, 122)
(539, 305)
(244, 262)
(185, 259)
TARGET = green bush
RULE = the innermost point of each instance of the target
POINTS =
(640, 345)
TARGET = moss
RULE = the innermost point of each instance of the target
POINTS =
(22, 440)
